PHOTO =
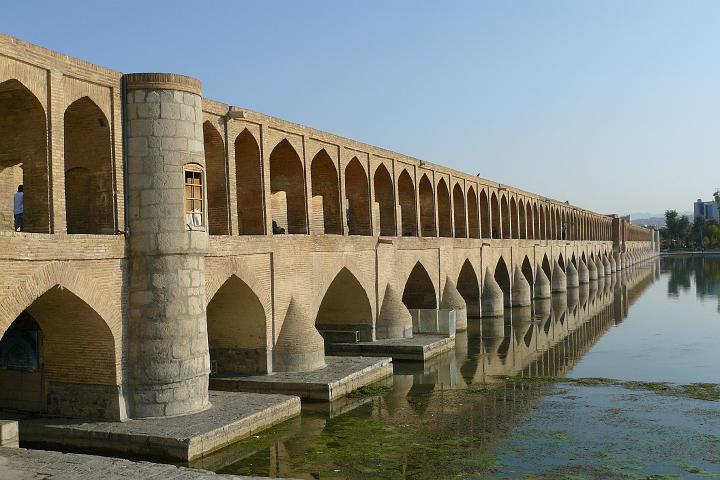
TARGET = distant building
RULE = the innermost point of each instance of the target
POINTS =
(709, 209)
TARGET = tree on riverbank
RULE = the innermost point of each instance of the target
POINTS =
(680, 233)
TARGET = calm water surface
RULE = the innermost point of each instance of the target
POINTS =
(460, 416)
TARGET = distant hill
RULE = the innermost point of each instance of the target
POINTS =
(654, 219)
(650, 222)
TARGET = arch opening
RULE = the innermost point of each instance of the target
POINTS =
(345, 307)
(528, 273)
(484, 216)
(358, 199)
(217, 186)
(444, 211)
(287, 190)
(515, 228)
(89, 193)
(237, 330)
(473, 214)
(59, 357)
(505, 216)
(325, 195)
(406, 199)
(502, 277)
(419, 291)
(546, 267)
(384, 200)
(495, 212)
(469, 288)
(459, 212)
(23, 158)
(249, 182)
(427, 208)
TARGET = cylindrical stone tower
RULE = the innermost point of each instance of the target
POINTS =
(167, 330)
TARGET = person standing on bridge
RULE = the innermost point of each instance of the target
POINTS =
(19, 208)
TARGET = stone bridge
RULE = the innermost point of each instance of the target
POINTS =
(165, 233)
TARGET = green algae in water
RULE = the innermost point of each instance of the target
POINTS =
(698, 391)
(369, 391)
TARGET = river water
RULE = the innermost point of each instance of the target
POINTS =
(614, 380)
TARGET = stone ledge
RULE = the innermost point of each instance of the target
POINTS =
(417, 348)
(23, 464)
(232, 416)
(340, 376)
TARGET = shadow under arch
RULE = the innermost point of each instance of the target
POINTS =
(60, 357)
(237, 330)
(23, 141)
(385, 200)
(408, 211)
(502, 277)
(325, 193)
(546, 267)
(419, 291)
(469, 288)
(344, 307)
(249, 182)
(287, 188)
(217, 193)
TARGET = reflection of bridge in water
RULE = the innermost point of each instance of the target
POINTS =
(430, 400)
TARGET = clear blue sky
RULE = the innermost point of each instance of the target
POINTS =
(613, 105)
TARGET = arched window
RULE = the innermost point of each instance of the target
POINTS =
(194, 196)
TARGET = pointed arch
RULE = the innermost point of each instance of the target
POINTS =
(537, 234)
(237, 330)
(358, 199)
(23, 142)
(502, 277)
(459, 214)
(325, 193)
(473, 214)
(444, 210)
(345, 306)
(514, 227)
(89, 192)
(505, 216)
(522, 223)
(469, 288)
(63, 359)
(529, 221)
(217, 186)
(527, 271)
(427, 208)
(546, 267)
(408, 210)
(249, 183)
(484, 215)
(385, 200)
(543, 222)
(561, 262)
(557, 225)
(419, 291)
(496, 220)
(287, 189)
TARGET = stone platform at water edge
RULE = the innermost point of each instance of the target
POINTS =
(340, 376)
(23, 464)
(419, 347)
(233, 415)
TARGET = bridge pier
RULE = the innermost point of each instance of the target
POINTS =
(168, 346)
(542, 284)
(491, 299)
(559, 279)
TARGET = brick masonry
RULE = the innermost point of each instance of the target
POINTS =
(147, 299)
